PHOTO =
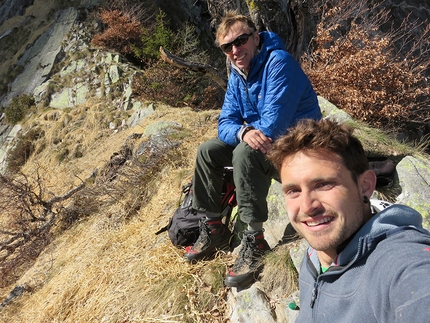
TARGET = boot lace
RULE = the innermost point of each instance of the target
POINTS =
(249, 258)
(203, 240)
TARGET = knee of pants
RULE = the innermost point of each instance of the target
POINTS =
(204, 148)
(245, 158)
(243, 153)
(214, 149)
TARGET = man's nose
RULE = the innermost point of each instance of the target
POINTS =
(234, 49)
(309, 203)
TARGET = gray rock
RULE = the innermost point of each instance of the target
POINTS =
(61, 99)
(127, 100)
(7, 136)
(285, 314)
(297, 252)
(8, 32)
(11, 8)
(251, 305)
(329, 110)
(158, 141)
(414, 179)
(70, 68)
(157, 127)
(80, 93)
(139, 115)
(40, 58)
(15, 293)
(278, 219)
(114, 73)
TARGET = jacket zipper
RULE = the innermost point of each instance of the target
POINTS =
(313, 300)
(314, 295)
(330, 271)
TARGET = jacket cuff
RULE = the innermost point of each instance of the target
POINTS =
(243, 130)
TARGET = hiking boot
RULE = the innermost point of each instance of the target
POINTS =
(248, 264)
(214, 235)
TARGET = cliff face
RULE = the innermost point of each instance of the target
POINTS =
(12, 8)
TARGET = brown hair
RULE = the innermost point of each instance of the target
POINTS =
(321, 136)
(230, 18)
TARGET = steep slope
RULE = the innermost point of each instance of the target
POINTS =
(105, 264)
(100, 269)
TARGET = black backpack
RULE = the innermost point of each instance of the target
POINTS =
(183, 226)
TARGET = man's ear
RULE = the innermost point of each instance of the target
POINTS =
(367, 182)
(257, 37)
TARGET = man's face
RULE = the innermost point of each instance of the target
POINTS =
(241, 56)
(324, 204)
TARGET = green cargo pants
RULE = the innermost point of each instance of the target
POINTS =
(252, 175)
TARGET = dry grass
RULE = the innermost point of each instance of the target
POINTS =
(280, 277)
(107, 269)
(87, 125)
(105, 272)
(112, 268)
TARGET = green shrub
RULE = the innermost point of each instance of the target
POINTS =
(152, 40)
(18, 156)
(18, 108)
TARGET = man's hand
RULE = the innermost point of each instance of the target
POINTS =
(258, 141)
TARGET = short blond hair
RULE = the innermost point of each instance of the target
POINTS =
(230, 18)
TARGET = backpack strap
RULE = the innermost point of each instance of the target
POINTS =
(163, 229)
(185, 190)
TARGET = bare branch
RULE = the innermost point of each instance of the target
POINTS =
(28, 219)
(205, 69)
(73, 191)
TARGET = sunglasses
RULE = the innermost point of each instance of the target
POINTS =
(239, 41)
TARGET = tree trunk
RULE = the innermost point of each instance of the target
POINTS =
(290, 19)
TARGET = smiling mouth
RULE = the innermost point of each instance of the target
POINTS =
(321, 221)
(240, 58)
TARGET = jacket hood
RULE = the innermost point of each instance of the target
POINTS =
(271, 42)
(388, 221)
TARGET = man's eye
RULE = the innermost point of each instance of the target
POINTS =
(292, 193)
(325, 185)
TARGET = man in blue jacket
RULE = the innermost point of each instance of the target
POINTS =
(362, 265)
(267, 92)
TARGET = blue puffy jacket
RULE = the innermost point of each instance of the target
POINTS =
(275, 94)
